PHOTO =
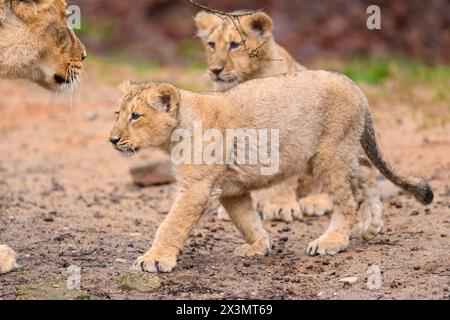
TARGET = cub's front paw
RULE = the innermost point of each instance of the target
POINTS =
(153, 263)
(283, 209)
(316, 205)
(329, 244)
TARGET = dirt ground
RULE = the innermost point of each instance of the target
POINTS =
(66, 198)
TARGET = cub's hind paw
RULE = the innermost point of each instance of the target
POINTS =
(316, 205)
(371, 221)
(282, 210)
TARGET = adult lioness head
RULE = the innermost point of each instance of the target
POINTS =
(146, 118)
(37, 44)
(228, 61)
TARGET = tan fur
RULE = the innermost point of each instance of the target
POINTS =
(237, 66)
(279, 202)
(321, 116)
(36, 43)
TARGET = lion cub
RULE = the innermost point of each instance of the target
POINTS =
(321, 119)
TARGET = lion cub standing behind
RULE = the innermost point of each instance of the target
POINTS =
(322, 119)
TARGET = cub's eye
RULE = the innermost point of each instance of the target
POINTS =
(135, 116)
(234, 45)
(212, 45)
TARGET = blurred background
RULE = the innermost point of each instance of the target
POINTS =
(162, 31)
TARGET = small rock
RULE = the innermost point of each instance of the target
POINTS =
(247, 264)
(49, 289)
(416, 267)
(130, 248)
(415, 213)
(98, 215)
(350, 280)
(97, 264)
(90, 116)
(120, 260)
(140, 281)
(396, 204)
(48, 218)
(284, 239)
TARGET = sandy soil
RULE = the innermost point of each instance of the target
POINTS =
(66, 199)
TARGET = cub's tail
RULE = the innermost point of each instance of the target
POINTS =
(418, 187)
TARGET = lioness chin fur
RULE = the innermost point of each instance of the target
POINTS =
(323, 117)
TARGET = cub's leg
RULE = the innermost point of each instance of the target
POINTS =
(371, 212)
(279, 202)
(311, 201)
(337, 168)
(172, 233)
(243, 214)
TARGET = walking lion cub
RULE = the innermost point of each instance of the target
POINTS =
(321, 118)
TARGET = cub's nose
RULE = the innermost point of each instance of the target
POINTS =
(217, 71)
(114, 140)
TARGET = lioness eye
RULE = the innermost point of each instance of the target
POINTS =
(212, 45)
(135, 116)
(234, 45)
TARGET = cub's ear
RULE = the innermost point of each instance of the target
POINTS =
(205, 22)
(169, 97)
(126, 86)
(259, 24)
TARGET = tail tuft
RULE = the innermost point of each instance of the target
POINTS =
(422, 192)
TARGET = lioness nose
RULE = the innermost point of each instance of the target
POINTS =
(217, 71)
(114, 140)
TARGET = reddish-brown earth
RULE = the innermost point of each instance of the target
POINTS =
(66, 199)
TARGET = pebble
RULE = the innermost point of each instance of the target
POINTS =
(121, 260)
(140, 281)
(350, 280)
(415, 213)
(90, 116)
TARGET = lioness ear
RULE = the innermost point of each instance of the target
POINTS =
(205, 22)
(169, 97)
(25, 9)
(259, 23)
(126, 86)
